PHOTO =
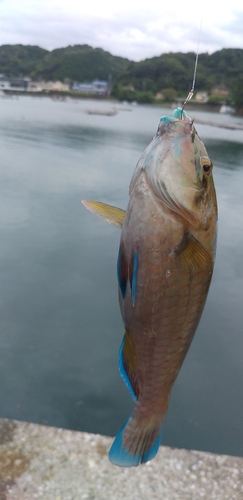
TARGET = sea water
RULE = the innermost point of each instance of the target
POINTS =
(60, 324)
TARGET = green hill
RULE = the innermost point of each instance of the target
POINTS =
(142, 80)
(172, 70)
(20, 60)
(175, 70)
(79, 63)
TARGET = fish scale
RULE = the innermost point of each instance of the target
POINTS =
(164, 269)
(174, 313)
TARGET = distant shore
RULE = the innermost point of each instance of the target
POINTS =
(62, 95)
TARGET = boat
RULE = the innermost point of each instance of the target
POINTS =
(104, 112)
(226, 109)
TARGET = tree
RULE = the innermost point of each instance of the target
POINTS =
(169, 94)
(238, 95)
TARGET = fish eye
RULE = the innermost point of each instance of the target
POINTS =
(206, 168)
(207, 165)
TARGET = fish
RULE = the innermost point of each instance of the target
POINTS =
(164, 268)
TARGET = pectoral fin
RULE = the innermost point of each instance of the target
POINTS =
(192, 256)
(108, 213)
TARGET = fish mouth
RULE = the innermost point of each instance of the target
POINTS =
(173, 170)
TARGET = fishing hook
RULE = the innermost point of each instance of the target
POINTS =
(190, 94)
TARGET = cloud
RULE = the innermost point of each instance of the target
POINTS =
(122, 29)
(235, 26)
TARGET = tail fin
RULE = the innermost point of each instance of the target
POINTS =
(142, 445)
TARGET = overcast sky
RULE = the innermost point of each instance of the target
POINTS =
(130, 28)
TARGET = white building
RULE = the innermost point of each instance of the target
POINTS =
(48, 86)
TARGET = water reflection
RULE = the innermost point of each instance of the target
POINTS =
(227, 155)
(60, 321)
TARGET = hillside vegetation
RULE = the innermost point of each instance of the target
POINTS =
(79, 63)
(171, 72)
(175, 70)
(20, 60)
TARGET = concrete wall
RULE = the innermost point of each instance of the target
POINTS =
(39, 462)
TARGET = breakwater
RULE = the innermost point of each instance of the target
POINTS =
(40, 462)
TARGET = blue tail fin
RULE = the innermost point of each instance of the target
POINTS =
(119, 455)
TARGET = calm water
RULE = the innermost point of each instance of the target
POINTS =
(60, 325)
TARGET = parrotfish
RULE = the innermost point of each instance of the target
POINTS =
(165, 264)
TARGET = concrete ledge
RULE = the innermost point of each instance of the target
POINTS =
(56, 464)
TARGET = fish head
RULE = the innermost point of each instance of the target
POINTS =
(179, 170)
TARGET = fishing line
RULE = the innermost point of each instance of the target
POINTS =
(195, 72)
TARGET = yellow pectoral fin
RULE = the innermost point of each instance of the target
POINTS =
(192, 256)
(108, 213)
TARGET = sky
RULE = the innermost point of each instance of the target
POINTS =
(129, 28)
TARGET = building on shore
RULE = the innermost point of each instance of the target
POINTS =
(43, 86)
(97, 87)
(201, 96)
(26, 84)
(12, 83)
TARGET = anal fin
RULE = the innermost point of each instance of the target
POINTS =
(128, 365)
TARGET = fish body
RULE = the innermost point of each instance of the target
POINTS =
(164, 269)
